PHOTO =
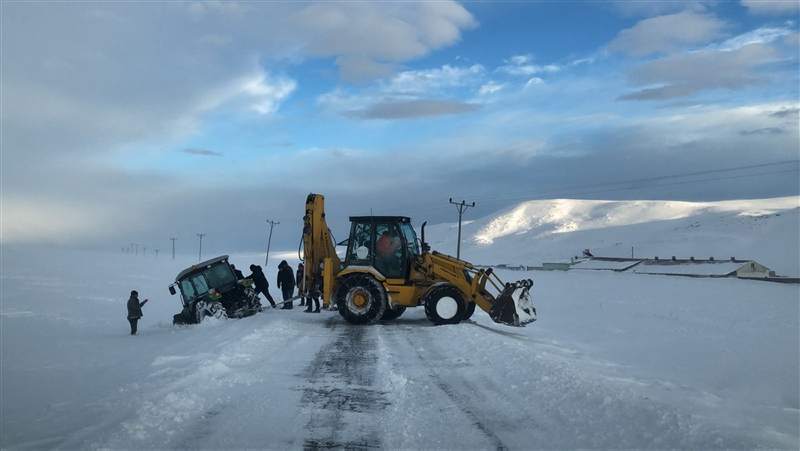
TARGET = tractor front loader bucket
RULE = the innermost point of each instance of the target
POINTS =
(514, 306)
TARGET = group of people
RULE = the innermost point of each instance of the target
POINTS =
(287, 280)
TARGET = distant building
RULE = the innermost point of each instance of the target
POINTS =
(679, 267)
(608, 263)
(704, 268)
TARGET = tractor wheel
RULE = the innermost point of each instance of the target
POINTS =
(444, 305)
(469, 311)
(361, 299)
(215, 309)
(392, 313)
(218, 311)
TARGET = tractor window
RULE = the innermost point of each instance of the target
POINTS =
(188, 290)
(200, 283)
(219, 275)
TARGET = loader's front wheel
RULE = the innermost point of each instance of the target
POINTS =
(469, 311)
(361, 299)
(445, 305)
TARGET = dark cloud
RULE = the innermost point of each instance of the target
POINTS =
(685, 74)
(787, 112)
(204, 152)
(413, 109)
(764, 131)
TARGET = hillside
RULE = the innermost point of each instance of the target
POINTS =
(534, 232)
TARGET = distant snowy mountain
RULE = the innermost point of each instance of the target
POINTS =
(534, 232)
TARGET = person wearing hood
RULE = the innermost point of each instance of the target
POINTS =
(135, 310)
(260, 282)
(286, 284)
(237, 273)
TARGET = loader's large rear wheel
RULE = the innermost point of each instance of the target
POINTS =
(361, 299)
(445, 305)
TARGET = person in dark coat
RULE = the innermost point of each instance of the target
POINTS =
(313, 293)
(286, 284)
(237, 273)
(300, 282)
(135, 310)
(260, 281)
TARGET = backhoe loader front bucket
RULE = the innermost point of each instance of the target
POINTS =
(514, 306)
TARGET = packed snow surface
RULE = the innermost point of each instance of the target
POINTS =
(616, 360)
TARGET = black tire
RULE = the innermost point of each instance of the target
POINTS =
(445, 305)
(469, 311)
(181, 318)
(392, 313)
(361, 299)
(215, 309)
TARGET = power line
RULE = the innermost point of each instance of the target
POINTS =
(200, 255)
(272, 224)
(583, 188)
(462, 206)
(639, 183)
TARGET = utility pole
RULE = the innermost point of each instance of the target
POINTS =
(461, 207)
(173, 248)
(200, 256)
(271, 225)
(144, 250)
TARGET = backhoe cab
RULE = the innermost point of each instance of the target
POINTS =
(386, 269)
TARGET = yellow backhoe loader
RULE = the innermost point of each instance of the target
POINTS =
(387, 269)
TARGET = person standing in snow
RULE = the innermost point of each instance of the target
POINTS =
(135, 310)
(300, 283)
(260, 281)
(286, 284)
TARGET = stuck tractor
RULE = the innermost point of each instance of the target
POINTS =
(210, 288)
(387, 269)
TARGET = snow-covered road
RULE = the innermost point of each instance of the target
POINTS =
(644, 363)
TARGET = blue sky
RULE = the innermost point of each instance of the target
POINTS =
(138, 121)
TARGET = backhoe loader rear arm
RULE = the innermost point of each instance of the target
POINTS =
(319, 250)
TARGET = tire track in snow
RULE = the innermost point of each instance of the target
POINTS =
(448, 390)
(341, 393)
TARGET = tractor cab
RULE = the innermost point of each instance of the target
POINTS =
(210, 288)
(386, 243)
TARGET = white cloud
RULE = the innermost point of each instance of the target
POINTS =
(432, 79)
(667, 34)
(772, 6)
(533, 82)
(397, 33)
(759, 36)
(521, 66)
(266, 94)
(491, 88)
